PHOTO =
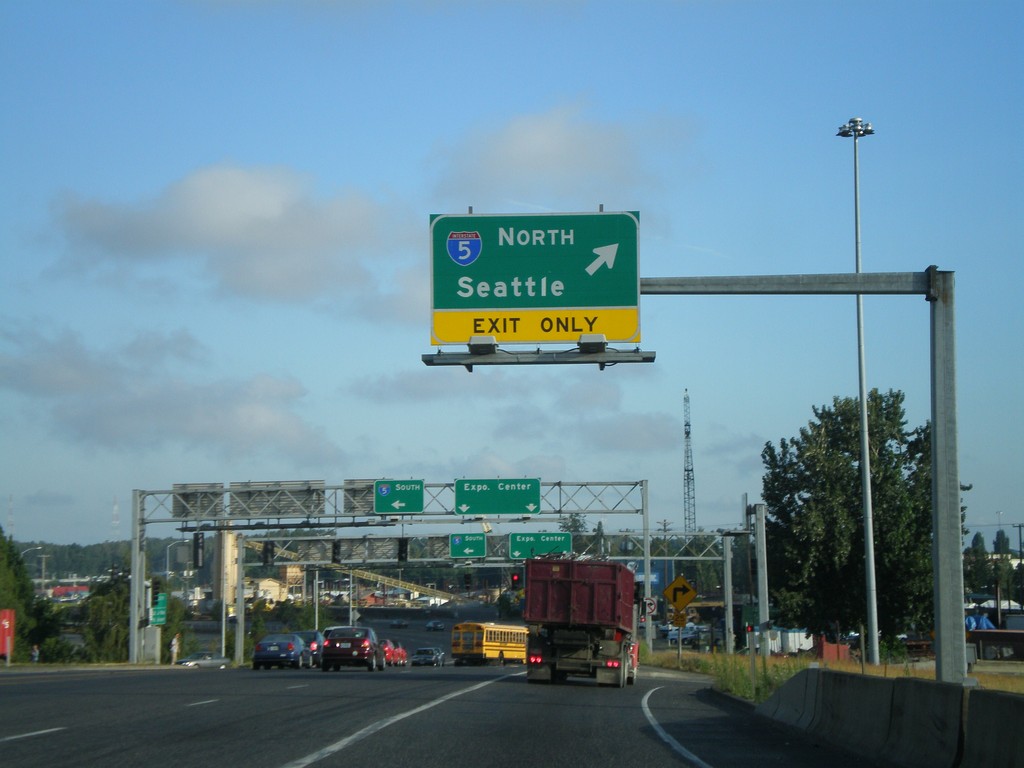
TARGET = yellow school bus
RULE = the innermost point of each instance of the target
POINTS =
(486, 642)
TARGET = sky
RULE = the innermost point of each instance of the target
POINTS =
(215, 252)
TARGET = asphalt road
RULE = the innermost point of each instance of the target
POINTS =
(425, 716)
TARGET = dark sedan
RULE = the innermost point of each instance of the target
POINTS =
(351, 646)
(281, 650)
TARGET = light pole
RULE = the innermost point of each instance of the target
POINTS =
(858, 128)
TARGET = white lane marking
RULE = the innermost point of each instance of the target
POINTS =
(30, 735)
(201, 703)
(686, 754)
(372, 728)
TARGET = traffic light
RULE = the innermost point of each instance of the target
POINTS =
(403, 550)
(467, 579)
(269, 548)
(336, 551)
(198, 549)
(516, 580)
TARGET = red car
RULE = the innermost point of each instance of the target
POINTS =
(352, 647)
(389, 652)
(401, 656)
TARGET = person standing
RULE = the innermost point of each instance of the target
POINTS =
(175, 645)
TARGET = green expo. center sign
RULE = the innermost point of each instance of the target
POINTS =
(498, 496)
(535, 278)
(523, 546)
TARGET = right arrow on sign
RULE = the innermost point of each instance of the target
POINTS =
(605, 257)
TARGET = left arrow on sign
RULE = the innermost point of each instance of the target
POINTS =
(605, 257)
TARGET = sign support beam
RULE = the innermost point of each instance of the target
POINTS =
(938, 289)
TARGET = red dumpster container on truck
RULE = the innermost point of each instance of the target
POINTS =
(581, 615)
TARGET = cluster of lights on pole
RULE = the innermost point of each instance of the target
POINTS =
(856, 128)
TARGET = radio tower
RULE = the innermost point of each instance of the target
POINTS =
(115, 521)
(689, 505)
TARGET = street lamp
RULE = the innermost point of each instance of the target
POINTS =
(858, 128)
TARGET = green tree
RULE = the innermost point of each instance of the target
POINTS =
(106, 625)
(574, 522)
(977, 566)
(16, 593)
(812, 489)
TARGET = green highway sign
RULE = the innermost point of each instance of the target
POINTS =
(397, 497)
(535, 278)
(522, 546)
(158, 613)
(497, 496)
(467, 545)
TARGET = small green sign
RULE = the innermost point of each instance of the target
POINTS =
(158, 613)
(498, 496)
(397, 497)
(522, 546)
(467, 545)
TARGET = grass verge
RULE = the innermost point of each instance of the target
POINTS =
(733, 674)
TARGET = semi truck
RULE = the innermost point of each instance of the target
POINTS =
(581, 618)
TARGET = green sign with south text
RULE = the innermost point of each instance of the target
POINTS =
(535, 278)
(498, 496)
(397, 497)
(522, 546)
(467, 545)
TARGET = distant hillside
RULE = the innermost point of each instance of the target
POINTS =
(77, 561)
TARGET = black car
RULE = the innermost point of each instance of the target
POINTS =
(427, 657)
(314, 640)
(434, 625)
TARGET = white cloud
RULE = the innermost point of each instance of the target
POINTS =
(540, 159)
(258, 232)
(139, 398)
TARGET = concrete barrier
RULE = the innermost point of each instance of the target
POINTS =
(812, 698)
(854, 711)
(905, 722)
(925, 727)
(994, 730)
(794, 702)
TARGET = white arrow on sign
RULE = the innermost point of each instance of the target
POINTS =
(516, 553)
(398, 504)
(605, 257)
(464, 508)
(531, 507)
(468, 550)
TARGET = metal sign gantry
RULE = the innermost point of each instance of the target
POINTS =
(275, 510)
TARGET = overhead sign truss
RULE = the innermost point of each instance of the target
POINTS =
(269, 506)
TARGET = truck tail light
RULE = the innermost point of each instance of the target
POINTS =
(535, 658)
(612, 663)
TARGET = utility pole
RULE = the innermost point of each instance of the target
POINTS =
(1019, 570)
(664, 550)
